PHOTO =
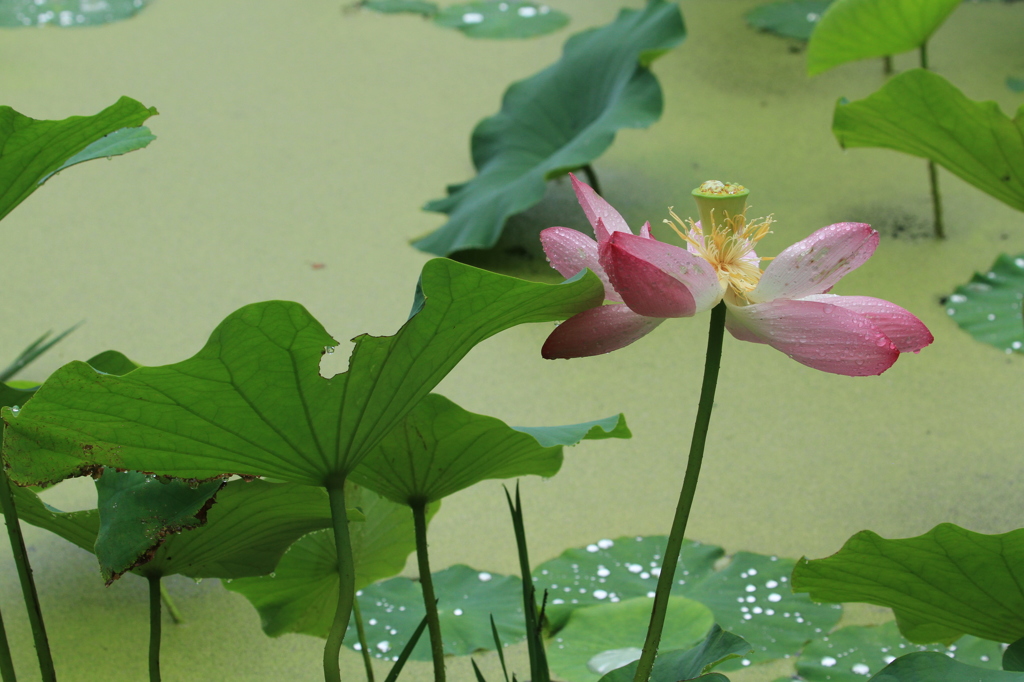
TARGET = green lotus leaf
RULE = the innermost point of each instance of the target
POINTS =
(112, 362)
(66, 13)
(252, 401)
(427, 9)
(440, 448)
(689, 664)
(301, 593)
(558, 120)
(507, 19)
(789, 18)
(850, 654)
(921, 113)
(1015, 84)
(989, 306)
(942, 584)
(598, 639)
(31, 151)
(79, 527)
(1013, 657)
(933, 667)
(860, 29)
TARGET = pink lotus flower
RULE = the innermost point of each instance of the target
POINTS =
(787, 306)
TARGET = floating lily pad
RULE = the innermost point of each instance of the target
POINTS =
(689, 664)
(556, 121)
(502, 19)
(749, 597)
(852, 653)
(790, 18)
(1015, 84)
(989, 306)
(468, 597)
(427, 9)
(942, 584)
(933, 667)
(66, 13)
(862, 29)
(920, 113)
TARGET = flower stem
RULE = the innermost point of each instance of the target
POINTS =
(712, 361)
(588, 170)
(28, 585)
(933, 175)
(6, 663)
(361, 633)
(346, 579)
(172, 609)
(419, 517)
(154, 627)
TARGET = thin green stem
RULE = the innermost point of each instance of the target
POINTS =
(923, 51)
(712, 361)
(588, 170)
(419, 518)
(28, 585)
(154, 627)
(346, 579)
(172, 609)
(933, 178)
(887, 65)
(357, 615)
(6, 663)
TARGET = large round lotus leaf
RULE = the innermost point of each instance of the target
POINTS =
(598, 639)
(790, 18)
(850, 654)
(468, 597)
(502, 19)
(928, 666)
(989, 306)
(66, 13)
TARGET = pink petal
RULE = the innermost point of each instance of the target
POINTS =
(906, 331)
(645, 230)
(657, 279)
(570, 251)
(814, 265)
(595, 207)
(596, 331)
(819, 335)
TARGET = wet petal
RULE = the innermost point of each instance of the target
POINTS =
(819, 335)
(596, 331)
(906, 331)
(595, 207)
(657, 279)
(814, 265)
(570, 251)
(645, 230)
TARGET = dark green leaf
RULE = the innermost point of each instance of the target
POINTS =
(138, 511)
(507, 19)
(66, 13)
(556, 121)
(302, 592)
(861, 29)
(31, 151)
(253, 401)
(852, 653)
(789, 18)
(689, 664)
(439, 449)
(112, 362)
(989, 306)
(932, 667)
(921, 113)
(14, 396)
(79, 528)
(571, 434)
(34, 350)
(1015, 84)
(942, 584)
(427, 9)
(599, 639)
(1013, 657)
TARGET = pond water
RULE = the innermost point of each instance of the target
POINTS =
(294, 136)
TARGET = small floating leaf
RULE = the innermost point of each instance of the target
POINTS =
(1015, 84)
(989, 306)
(427, 9)
(502, 19)
(942, 584)
(852, 653)
(689, 664)
(933, 667)
(921, 113)
(861, 29)
(66, 13)
(789, 18)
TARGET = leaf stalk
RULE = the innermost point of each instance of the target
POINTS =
(346, 579)
(419, 517)
(154, 627)
(6, 663)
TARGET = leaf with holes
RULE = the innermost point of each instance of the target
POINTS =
(510, 19)
(921, 113)
(933, 667)
(989, 306)
(860, 29)
(942, 584)
(558, 120)
(789, 18)
(66, 13)
(852, 653)
(689, 664)
(252, 401)
(31, 151)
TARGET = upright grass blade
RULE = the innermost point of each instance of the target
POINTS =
(419, 516)
(34, 350)
(172, 609)
(154, 628)
(6, 664)
(476, 671)
(28, 586)
(361, 633)
(396, 669)
(499, 648)
(538, 659)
